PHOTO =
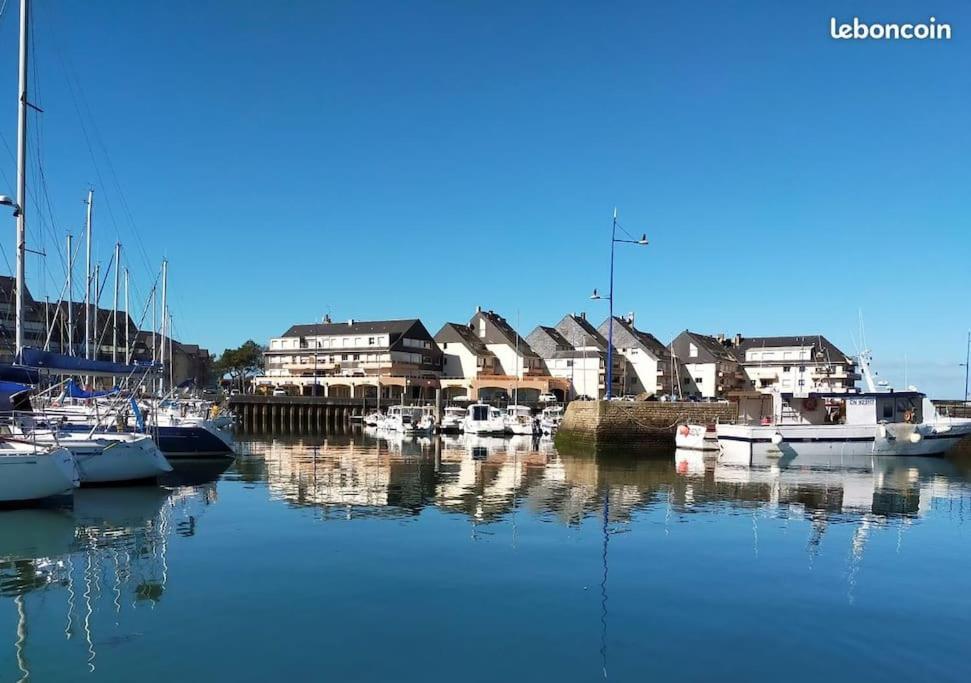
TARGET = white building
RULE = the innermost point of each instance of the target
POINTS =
(354, 358)
(705, 366)
(798, 364)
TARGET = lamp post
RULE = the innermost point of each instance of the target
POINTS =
(610, 298)
(967, 367)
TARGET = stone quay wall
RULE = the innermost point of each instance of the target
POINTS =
(618, 423)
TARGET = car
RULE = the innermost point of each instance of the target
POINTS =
(583, 397)
(279, 391)
(547, 398)
(234, 392)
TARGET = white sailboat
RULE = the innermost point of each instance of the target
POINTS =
(28, 470)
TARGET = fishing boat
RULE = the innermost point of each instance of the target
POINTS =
(453, 421)
(483, 419)
(519, 420)
(898, 423)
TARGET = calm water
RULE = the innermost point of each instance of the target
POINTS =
(354, 559)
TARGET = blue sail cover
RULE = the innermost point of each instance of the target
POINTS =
(73, 365)
(12, 395)
(72, 390)
(16, 373)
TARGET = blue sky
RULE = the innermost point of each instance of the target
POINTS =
(387, 159)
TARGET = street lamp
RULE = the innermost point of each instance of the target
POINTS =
(8, 201)
(610, 297)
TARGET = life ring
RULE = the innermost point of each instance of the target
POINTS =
(809, 404)
(908, 415)
(684, 430)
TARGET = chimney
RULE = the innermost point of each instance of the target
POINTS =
(630, 318)
(738, 339)
(583, 315)
(478, 309)
(721, 337)
(350, 322)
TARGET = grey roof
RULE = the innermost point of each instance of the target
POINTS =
(574, 353)
(547, 341)
(818, 342)
(506, 333)
(628, 335)
(457, 333)
(352, 327)
(579, 332)
(710, 344)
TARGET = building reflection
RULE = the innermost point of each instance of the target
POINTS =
(489, 478)
(98, 557)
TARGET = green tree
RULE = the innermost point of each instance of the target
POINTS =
(241, 363)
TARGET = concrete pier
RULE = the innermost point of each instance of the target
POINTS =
(624, 423)
(298, 414)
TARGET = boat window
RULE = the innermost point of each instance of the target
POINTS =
(480, 413)
(888, 411)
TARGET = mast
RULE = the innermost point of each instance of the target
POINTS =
(114, 312)
(21, 179)
(70, 295)
(165, 287)
(127, 323)
(171, 357)
(87, 276)
(96, 339)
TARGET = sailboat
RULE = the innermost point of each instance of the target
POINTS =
(28, 470)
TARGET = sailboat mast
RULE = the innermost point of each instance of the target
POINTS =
(21, 179)
(165, 294)
(70, 295)
(127, 323)
(87, 276)
(114, 312)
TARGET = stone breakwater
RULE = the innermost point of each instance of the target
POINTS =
(620, 423)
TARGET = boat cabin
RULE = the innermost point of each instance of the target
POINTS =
(824, 408)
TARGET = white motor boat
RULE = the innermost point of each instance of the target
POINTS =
(409, 420)
(519, 420)
(550, 419)
(484, 419)
(453, 420)
(30, 471)
(838, 424)
(373, 419)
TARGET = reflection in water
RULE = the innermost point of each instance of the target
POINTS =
(103, 553)
(91, 574)
(487, 478)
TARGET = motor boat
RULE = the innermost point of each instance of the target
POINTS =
(410, 420)
(519, 420)
(550, 419)
(453, 421)
(482, 418)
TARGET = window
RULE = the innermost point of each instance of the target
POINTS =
(569, 364)
(692, 350)
(346, 357)
(802, 368)
(482, 327)
(888, 411)
(371, 341)
(786, 368)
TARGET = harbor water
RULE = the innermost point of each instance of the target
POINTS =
(350, 557)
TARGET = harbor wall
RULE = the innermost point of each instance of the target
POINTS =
(623, 423)
(298, 414)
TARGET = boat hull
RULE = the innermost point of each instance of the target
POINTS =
(742, 444)
(33, 476)
(696, 438)
(107, 461)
